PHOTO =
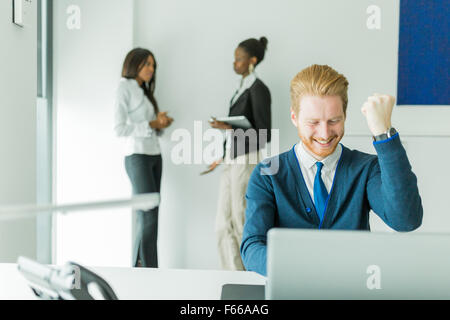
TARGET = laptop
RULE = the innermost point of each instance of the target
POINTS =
(333, 264)
(231, 291)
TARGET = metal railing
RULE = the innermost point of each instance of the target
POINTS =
(137, 202)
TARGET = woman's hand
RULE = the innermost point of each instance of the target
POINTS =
(219, 124)
(212, 166)
(162, 121)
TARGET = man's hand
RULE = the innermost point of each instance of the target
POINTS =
(378, 111)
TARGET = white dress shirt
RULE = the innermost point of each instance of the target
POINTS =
(244, 84)
(133, 112)
(309, 168)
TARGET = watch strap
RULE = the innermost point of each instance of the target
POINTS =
(386, 135)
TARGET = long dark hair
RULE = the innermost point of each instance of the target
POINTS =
(133, 64)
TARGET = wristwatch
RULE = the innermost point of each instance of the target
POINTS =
(388, 134)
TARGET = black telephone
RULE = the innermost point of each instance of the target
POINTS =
(70, 282)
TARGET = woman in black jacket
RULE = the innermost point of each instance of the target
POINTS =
(252, 100)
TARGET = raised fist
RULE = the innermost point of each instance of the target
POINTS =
(378, 111)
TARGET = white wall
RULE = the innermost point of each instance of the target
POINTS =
(89, 164)
(194, 43)
(18, 68)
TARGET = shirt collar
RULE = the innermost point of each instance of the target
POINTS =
(309, 161)
(247, 82)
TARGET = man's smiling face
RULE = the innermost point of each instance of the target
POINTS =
(320, 124)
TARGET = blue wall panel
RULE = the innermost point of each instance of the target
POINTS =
(424, 55)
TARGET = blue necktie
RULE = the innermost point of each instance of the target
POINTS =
(320, 192)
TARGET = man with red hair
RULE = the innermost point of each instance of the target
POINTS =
(321, 184)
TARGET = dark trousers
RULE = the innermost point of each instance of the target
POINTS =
(145, 172)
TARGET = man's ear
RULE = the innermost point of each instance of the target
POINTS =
(294, 117)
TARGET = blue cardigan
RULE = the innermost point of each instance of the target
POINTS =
(277, 196)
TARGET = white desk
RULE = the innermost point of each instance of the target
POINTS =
(143, 284)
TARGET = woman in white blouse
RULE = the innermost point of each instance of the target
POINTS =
(137, 118)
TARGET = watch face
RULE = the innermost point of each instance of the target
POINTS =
(392, 132)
